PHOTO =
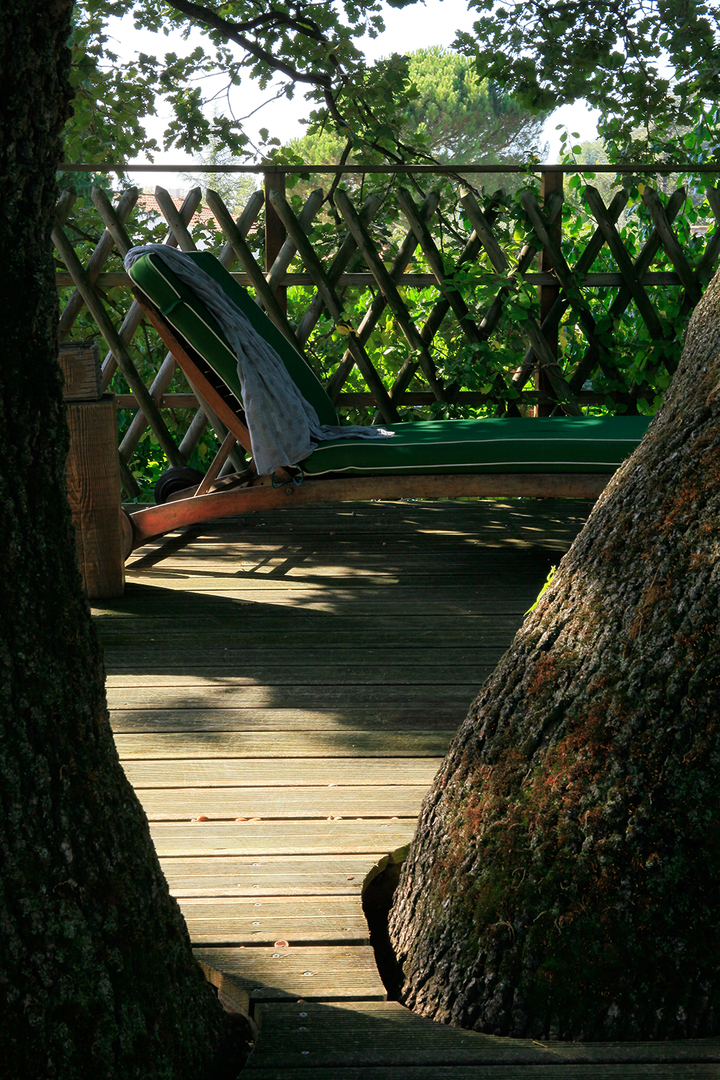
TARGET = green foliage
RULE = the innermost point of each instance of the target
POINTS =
(463, 117)
(449, 113)
(650, 67)
(111, 100)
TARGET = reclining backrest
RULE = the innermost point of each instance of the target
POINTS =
(188, 315)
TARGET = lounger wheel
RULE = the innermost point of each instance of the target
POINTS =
(176, 479)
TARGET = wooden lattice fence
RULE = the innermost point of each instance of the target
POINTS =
(470, 304)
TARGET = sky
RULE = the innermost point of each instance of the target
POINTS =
(433, 22)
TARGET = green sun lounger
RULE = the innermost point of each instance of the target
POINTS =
(571, 456)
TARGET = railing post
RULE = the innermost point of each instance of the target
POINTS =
(275, 234)
(550, 180)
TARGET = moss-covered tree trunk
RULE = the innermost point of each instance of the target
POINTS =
(565, 877)
(97, 977)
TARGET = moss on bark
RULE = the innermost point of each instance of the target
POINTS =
(565, 877)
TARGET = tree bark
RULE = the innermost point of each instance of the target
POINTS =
(564, 881)
(97, 976)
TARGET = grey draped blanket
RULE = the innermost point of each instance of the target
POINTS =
(284, 427)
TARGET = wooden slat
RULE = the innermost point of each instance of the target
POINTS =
(376, 308)
(305, 583)
(245, 256)
(154, 640)
(407, 602)
(280, 837)
(97, 260)
(329, 973)
(380, 717)
(614, 242)
(484, 520)
(291, 694)
(443, 276)
(117, 345)
(292, 804)
(501, 264)
(298, 921)
(297, 570)
(255, 624)
(260, 876)
(708, 262)
(153, 659)
(303, 744)
(676, 1071)
(258, 772)
(207, 670)
(568, 283)
(672, 246)
(301, 569)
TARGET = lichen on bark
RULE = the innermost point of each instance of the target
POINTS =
(565, 877)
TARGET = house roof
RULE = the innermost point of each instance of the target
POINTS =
(149, 203)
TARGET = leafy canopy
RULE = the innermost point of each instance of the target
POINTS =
(307, 44)
(651, 66)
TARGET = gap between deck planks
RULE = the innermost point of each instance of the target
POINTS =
(295, 679)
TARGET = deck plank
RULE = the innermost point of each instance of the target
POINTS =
(206, 838)
(291, 695)
(260, 876)
(379, 1035)
(352, 743)
(287, 803)
(380, 717)
(330, 920)
(275, 772)
(310, 973)
(522, 1071)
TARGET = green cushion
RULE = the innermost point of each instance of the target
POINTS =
(523, 445)
(187, 314)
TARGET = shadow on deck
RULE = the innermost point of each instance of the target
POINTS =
(282, 691)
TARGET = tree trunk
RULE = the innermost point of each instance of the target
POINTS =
(97, 978)
(565, 877)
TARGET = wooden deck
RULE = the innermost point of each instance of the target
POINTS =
(282, 691)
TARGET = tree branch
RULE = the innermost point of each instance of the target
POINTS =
(230, 30)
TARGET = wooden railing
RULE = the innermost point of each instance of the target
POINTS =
(470, 304)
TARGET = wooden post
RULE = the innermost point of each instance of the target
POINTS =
(275, 234)
(93, 474)
(550, 181)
